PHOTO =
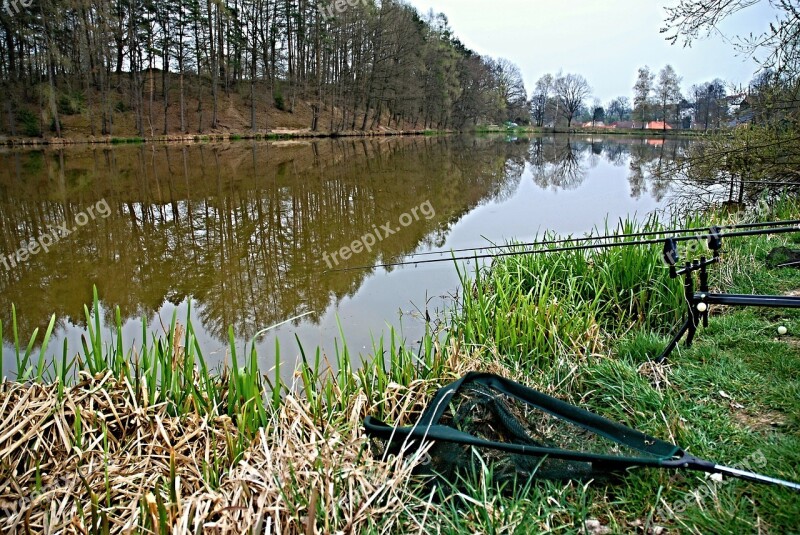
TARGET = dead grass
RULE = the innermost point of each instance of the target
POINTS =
(95, 461)
(764, 422)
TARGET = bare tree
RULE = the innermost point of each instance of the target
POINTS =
(512, 90)
(690, 20)
(572, 91)
(619, 107)
(540, 98)
(668, 91)
(641, 93)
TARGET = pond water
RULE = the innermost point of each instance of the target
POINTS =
(245, 234)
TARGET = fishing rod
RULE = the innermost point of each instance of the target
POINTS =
(599, 238)
(714, 232)
(710, 182)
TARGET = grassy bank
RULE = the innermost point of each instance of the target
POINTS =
(584, 328)
(112, 438)
(279, 134)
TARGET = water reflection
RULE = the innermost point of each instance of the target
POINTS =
(242, 228)
(564, 162)
(558, 162)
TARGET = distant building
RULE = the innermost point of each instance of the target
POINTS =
(736, 101)
(596, 124)
(740, 111)
(658, 125)
(742, 118)
(624, 124)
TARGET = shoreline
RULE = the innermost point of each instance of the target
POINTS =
(273, 135)
(288, 134)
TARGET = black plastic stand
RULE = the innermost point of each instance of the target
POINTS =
(699, 302)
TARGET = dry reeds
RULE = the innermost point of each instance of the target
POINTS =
(148, 440)
(94, 460)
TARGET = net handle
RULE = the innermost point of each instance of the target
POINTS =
(378, 429)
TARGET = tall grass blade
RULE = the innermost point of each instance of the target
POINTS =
(43, 350)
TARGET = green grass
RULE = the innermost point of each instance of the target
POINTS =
(172, 369)
(536, 307)
(590, 324)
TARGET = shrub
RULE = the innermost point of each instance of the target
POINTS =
(71, 103)
(30, 123)
(279, 103)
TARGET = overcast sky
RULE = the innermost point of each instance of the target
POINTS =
(604, 40)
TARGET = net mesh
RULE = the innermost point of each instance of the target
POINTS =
(488, 414)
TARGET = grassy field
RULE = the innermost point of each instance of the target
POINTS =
(110, 438)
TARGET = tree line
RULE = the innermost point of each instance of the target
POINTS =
(171, 63)
(561, 99)
(769, 101)
(168, 66)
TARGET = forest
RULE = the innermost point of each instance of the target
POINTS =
(179, 67)
(176, 66)
(145, 68)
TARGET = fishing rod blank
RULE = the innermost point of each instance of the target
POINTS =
(599, 238)
(772, 231)
(710, 182)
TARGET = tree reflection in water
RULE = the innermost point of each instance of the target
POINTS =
(241, 228)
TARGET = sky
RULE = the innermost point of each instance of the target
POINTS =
(604, 40)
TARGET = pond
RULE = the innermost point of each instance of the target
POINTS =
(252, 234)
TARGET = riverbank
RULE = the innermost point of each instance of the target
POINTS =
(289, 133)
(234, 120)
(278, 134)
(579, 130)
(94, 443)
